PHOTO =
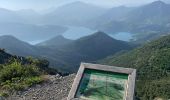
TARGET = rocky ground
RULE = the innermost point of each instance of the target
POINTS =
(56, 88)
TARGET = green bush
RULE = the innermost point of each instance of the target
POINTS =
(33, 80)
(4, 94)
(17, 76)
(16, 69)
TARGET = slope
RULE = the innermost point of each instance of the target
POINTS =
(153, 65)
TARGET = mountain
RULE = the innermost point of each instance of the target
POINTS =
(29, 16)
(150, 21)
(96, 43)
(149, 14)
(26, 24)
(153, 68)
(74, 13)
(145, 22)
(86, 49)
(31, 32)
(113, 14)
(56, 41)
(25, 16)
(43, 64)
(9, 16)
(66, 58)
(17, 47)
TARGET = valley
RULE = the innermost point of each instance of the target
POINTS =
(41, 50)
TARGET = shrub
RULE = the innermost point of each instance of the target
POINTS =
(33, 80)
(17, 70)
(17, 76)
(4, 94)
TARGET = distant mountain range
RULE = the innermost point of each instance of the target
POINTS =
(66, 56)
(153, 68)
(29, 25)
(25, 25)
(9, 16)
(146, 22)
(74, 13)
(30, 32)
(69, 14)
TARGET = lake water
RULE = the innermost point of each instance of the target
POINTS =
(77, 32)
(124, 36)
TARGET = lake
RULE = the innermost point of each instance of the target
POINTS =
(124, 36)
(77, 32)
(74, 33)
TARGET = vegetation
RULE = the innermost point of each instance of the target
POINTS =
(18, 74)
(153, 68)
(15, 76)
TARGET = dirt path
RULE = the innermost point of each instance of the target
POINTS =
(57, 88)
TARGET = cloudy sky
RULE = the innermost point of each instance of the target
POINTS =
(45, 4)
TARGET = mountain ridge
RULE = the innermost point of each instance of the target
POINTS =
(146, 22)
(91, 48)
(16, 46)
(85, 49)
(74, 14)
(57, 41)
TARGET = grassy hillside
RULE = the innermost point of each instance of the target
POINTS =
(17, 73)
(153, 68)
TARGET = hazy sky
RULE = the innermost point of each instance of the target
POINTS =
(45, 4)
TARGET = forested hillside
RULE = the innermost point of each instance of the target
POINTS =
(153, 68)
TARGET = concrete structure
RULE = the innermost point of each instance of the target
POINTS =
(129, 92)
